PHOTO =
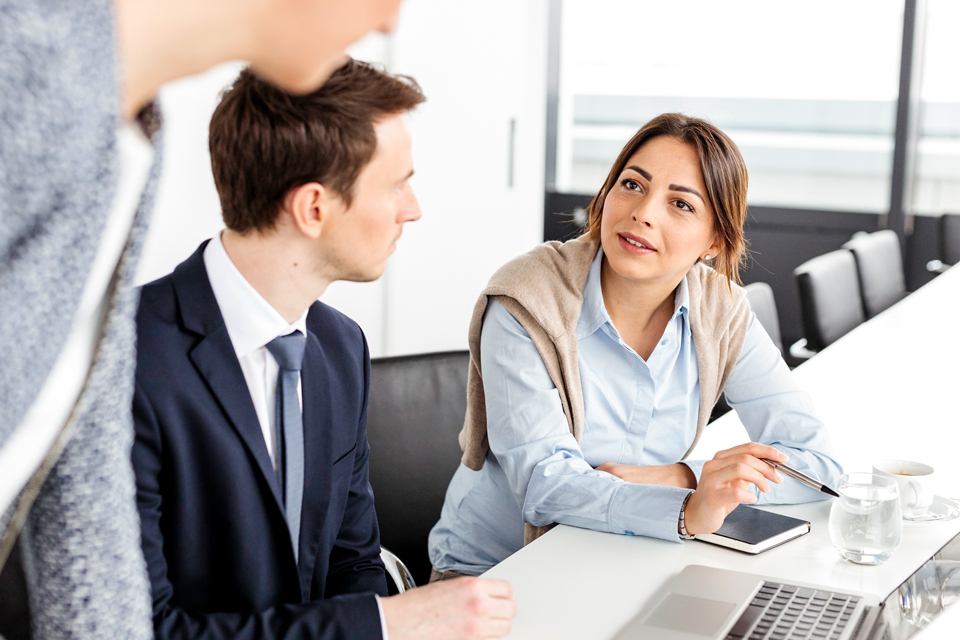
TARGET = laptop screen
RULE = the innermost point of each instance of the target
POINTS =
(922, 596)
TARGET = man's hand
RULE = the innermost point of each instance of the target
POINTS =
(469, 608)
(668, 475)
(724, 483)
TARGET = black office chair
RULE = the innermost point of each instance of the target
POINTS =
(417, 406)
(879, 268)
(830, 301)
(949, 243)
(14, 611)
(950, 237)
(764, 306)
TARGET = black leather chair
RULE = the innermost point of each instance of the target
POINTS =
(417, 406)
(880, 269)
(14, 611)
(950, 234)
(764, 306)
(949, 243)
(830, 300)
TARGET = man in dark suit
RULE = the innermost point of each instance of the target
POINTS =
(250, 406)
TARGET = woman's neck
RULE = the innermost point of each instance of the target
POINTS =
(639, 310)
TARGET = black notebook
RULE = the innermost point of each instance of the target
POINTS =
(754, 530)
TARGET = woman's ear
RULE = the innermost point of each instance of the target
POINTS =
(714, 249)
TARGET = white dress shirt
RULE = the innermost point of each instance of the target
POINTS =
(252, 323)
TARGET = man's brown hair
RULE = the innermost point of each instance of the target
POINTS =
(264, 141)
(724, 174)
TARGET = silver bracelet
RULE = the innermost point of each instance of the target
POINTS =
(681, 527)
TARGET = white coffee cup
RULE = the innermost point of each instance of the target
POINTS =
(913, 480)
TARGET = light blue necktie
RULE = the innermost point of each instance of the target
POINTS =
(288, 351)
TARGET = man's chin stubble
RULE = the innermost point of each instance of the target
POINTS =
(360, 276)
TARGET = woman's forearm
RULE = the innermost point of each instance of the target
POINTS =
(667, 475)
(561, 490)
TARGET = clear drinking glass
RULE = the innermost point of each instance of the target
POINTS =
(865, 522)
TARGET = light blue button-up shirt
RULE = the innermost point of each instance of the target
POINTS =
(637, 412)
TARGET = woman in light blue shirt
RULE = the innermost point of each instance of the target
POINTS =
(674, 200)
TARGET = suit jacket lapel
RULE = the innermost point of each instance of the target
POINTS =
(318, 455)
(217, 362)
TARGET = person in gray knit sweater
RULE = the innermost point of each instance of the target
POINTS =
(79, 161)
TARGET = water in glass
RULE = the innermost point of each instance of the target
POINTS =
(865, 521)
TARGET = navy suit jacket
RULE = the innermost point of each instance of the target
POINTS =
(214, 535)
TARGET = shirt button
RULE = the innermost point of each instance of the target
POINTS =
(663, 342)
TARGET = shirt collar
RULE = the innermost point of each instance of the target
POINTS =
(681, 304)
(593, 314)
(250, 320)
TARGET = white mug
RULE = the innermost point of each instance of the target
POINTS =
(913, 479)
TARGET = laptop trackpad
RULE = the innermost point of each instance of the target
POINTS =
(697, 616)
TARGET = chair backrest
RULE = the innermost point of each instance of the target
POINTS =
(764, 306)
(830, 302)
(416, 411)
(950, 237)
(880, 269)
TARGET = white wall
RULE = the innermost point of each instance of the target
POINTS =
(480, 65)
(187, 209)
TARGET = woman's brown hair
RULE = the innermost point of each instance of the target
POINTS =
(724, 173)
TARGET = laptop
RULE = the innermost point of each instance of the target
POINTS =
(706, 603)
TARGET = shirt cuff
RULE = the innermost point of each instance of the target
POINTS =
(696, 466)
(647, 510)
(383, 619)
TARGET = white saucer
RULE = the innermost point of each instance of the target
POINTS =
(940, 510)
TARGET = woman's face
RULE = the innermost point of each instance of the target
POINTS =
(656, 221)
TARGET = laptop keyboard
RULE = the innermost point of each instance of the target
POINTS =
(786, 612)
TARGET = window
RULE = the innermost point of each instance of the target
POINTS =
(808, 91)
(936, 187)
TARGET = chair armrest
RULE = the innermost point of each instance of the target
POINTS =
(799, 350)
(397, 571)
(935, 266)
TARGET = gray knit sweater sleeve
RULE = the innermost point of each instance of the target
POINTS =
(58, 170)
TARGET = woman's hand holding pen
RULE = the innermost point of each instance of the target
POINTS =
(725, 483)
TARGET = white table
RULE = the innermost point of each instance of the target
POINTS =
(945, 626)
(888, 389)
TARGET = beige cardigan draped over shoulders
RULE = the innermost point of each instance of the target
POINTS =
(543, 290)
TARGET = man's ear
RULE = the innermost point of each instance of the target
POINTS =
(310, 206)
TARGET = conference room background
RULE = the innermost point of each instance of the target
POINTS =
(847, 113)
